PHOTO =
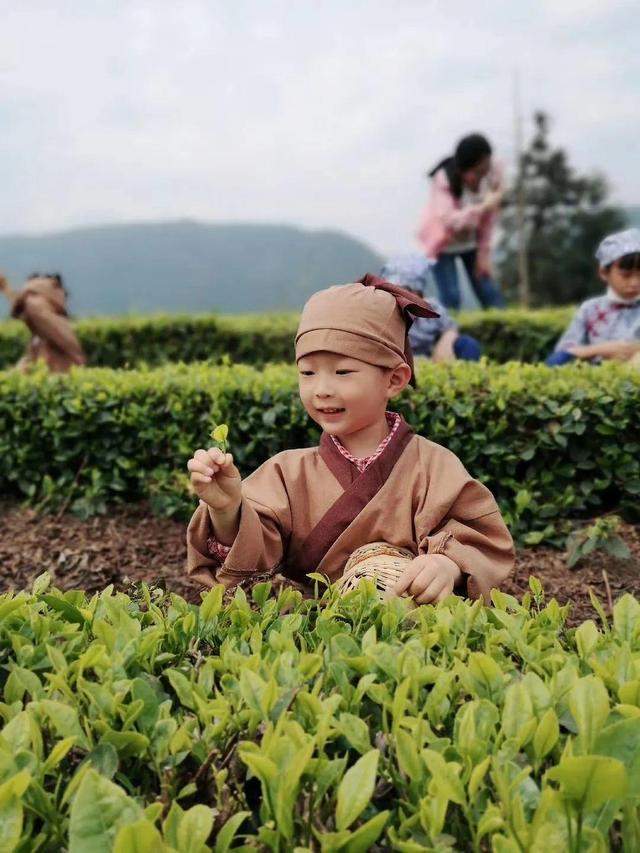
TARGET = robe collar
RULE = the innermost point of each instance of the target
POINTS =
(359, 490)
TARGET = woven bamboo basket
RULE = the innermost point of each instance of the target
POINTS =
(379, 562)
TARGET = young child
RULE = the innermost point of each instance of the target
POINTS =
(607, 327)
(370, 480)
(436, 338)
(42, 306)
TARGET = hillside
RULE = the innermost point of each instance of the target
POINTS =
(633, 215)
(188, 266)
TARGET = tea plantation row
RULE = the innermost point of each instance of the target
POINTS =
(256, 339)
(550, 444)
(144, 724)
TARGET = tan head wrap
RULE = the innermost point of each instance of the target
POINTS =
(368, 320)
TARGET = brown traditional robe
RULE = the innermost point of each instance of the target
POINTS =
(308, 510)
(41, 304)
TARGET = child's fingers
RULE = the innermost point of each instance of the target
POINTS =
(200, 478)
(228, 469)
(407, 578)
(431, 592)
(196, 466)
(202, 456)
(216, 455)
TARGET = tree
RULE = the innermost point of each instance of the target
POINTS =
(564, 216)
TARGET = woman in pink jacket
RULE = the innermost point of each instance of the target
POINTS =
(466, 191)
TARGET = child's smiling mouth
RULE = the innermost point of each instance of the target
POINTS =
(330, 410)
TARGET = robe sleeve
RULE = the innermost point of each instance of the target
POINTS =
(261, 543)
(460, 518)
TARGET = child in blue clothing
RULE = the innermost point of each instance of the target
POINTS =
(608, 326)
(436, 338)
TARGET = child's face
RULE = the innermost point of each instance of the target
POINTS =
(344, 395)
(624, 283)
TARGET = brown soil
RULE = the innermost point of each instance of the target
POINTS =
(131, 545)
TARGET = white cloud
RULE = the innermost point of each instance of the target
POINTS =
(323, 115)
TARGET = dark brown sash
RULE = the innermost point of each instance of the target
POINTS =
(359, 489)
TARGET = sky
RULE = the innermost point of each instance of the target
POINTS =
(317, 114)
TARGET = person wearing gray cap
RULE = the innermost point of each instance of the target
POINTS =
(436, 338)
(608, 326)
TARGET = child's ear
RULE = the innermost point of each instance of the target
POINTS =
(399, 378)
(603, 274)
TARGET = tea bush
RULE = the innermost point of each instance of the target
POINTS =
(259, 338)
(128, 341)
(551, 444)
(148, 724)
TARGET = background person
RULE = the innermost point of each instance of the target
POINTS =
(437, 338)
(42, 306)
(458, 221)
(607, 326)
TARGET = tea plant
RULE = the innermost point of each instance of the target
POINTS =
(602, 535)
(547, 443)
(330, 724)
(219, 435)
(125, 342)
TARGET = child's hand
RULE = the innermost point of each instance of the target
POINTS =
(623, 350)
(620, 350)
(216, 480)
(429, 578)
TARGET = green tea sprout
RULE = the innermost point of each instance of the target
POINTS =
(219, 436)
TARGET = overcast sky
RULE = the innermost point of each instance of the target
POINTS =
(320, 114)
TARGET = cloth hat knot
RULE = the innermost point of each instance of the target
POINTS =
(368, 320)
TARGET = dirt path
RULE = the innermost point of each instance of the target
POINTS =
(131, 545)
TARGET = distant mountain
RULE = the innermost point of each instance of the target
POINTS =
(188, 266)
(633, 215)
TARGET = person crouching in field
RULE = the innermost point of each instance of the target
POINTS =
(42, 306)
(370, 480)
(608, 326)
(434, 338)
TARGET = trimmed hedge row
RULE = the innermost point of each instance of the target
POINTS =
(155, 340)
(337, 724)
(256, 339)
(517, 335)
(551, 444)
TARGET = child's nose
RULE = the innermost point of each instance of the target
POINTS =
(323, 388)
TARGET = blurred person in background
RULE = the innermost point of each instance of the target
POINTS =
(608, 327)
(465, 195)
(437, 338)
(42, 305)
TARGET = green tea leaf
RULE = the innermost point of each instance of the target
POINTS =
(98, 810)
(355, 731)
(409, 760)
(194, 829)
(589, 781)
(138, 837)
(225, 837)
(626, 617)
(366, 835)
(547, 734)
(212, 603)
(589, 704)
(355, 789)
(11, 810)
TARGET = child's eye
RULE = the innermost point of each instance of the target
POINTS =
(306, 373)
(344, 372)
